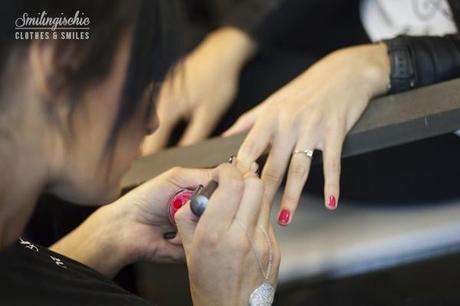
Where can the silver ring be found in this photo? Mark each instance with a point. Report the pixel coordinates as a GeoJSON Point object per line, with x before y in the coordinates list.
{"type": "Point", "coordinates": [307, 152]}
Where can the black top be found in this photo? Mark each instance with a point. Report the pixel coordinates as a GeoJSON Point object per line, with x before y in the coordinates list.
{"type": "Point", "coordinates": [247, 15]}
{"type": "Point", "coordinates": [33, 275]}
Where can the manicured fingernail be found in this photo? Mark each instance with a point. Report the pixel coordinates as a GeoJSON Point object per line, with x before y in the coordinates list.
{"type": "Point", "coordinates": [284, 216]}
{"type": "Point", "coordinates": [332, 202]}
{"type": "Point", "coordinates": [170, 235]}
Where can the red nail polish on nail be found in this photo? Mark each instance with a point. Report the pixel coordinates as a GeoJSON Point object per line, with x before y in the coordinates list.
{"type": "Point", "coordinates": [332, 202]}
{"type": "Point", "coordinates": [284, 217]}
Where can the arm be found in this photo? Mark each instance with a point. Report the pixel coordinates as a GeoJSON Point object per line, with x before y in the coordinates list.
{"type": "Point", "coordinates": [234, 46]}
{"type": "Point", "coordinates": [94, 243]}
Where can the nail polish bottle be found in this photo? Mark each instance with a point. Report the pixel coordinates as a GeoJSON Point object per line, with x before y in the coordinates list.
{"type": "Point", "coordinates": [178, 200]}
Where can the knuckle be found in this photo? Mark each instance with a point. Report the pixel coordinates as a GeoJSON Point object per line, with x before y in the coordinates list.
{"type": "Point", "coordinates": [299, 170]}
{"type": "Point", "coordinates": [333, 166]}
{"type": "Point", "coordinates": [254, 183]}
{"type": "Point", "coordinates": [313, 118]}
{"type": "Point", "coordinates": [249, 148]}
{"type": "Point", "coordinates": [235, 185]}
{"type": "Point", "coordinates": [223, 167]}
{"type": "Point", "coordinates": [290, 200]}
{"type": "Point", "coordinates": [272, 176]}
{"type": "Point", "coordinates": [332, 124]}
{"type": "Point", "coordinates": [239, 245]}
{"type": "Point", "coordinates": [286, 120]}
{"type": "Point", "coordinates": [224, 170]}
{"type": "Point", "coordinates": [175, 171]}
{"type": "Point", "coordinates": [210, 241]}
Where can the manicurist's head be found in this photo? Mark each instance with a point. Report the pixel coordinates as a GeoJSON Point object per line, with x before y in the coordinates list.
{"type": "Point", "coordinates": [73, 111]}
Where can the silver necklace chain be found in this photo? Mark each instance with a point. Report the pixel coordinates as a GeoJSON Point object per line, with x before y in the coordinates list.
{"type": "Point", "coordinates": [265, 293]}
{"type": "Point", "coordinates": [266, 274]}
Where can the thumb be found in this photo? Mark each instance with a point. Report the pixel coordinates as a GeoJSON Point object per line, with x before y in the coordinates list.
{"type": "Point", "coordinates": [186, 223]}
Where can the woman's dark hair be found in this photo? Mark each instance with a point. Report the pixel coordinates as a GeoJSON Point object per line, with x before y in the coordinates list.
{"type": "Point", "coordinates": [155, 28]}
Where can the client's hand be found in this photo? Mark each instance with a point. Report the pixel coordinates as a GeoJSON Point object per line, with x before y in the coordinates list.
{"type": "Point", "coordinates": [201, 88]}
{"type": "Point", "coordinates": [228, 250]}
{"type": "Point", "coordinates": [314, 111]}
{"type": "Point", "coordinates": [132, 228]}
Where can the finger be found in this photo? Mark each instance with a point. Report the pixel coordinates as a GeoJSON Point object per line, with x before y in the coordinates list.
{"type": "Point", "coordinates": [159, 139]}
{"type": "Point", "coordinates": [244, 123]}
{"type": "Point", "coordinates": [173, 180]}
{"type": "Point", "coordinates": [254, 145]}
{"type": "Point", "coordinates": [224, 202]}
{"type": "Point", "coordinates": [185, 177]}
{"type": "Point", "coordinates": [332, 154]}
{"type": "Point", "coordinates": [166, 252]}
{"type": "Point", "coordinates": [186, 223]}
{"type": "Point", "coordinates": [276, 164]}
{"type": "Point", "coordinates": [169, 113]}
{"type": "Point", "coordinates": [297, 177]}
{"type": "Point", "coordinates": [201, 125]}
{"type": "Point", "coordinates": [251, 201]}
{"type": "Point", "coordinates": [274, 171]}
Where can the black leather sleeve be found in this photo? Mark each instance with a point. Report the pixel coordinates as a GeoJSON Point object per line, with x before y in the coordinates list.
{"type": "Point", "coordinates": [434, 59]}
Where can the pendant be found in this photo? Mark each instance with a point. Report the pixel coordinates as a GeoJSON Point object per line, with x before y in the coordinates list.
{"type": "Point", "coordinates": [263, 295]}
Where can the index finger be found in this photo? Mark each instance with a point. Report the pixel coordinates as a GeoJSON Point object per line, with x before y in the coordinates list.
{"type": "Point", "coordinates": [254, 145]}
{"type": "Point", "coordinates": [224, 202]}
{"type": "Point", "coordinates": [173, 180]}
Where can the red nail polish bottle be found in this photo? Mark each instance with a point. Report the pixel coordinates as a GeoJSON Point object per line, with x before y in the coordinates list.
{"type": "Point", "coordinates": [179, 199]}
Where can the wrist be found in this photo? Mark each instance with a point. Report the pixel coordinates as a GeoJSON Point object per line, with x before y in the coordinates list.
{"type": "Point", "coordinates": [95, 243]}
{"type": "Point", "coordinates": [376, 69]}
{"type": "Point", "coordinates": [368, 66]}
{"type": "Point", "coordinates": [116, 233]}
{"type": "Point", "coordinates": [233, 46]}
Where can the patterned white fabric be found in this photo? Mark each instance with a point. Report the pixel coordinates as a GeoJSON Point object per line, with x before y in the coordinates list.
{"type": "Point", "coordinates": [384, 19]}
